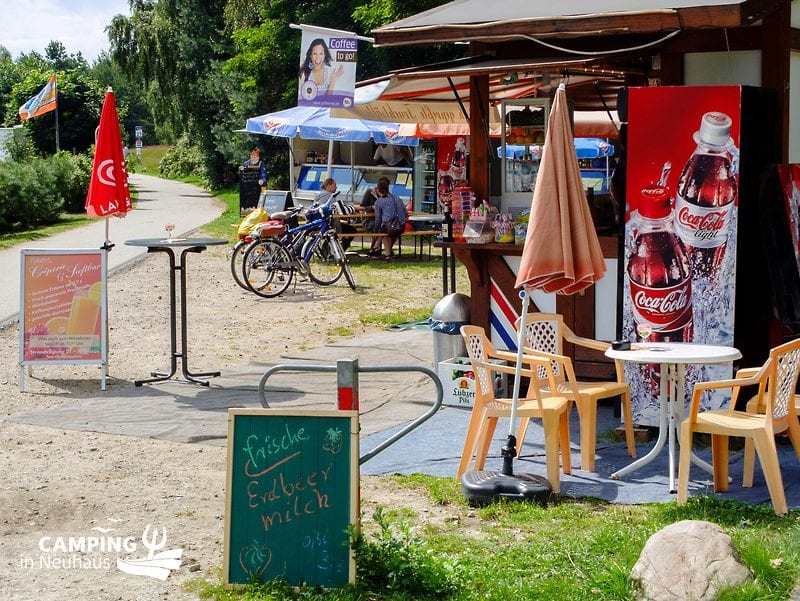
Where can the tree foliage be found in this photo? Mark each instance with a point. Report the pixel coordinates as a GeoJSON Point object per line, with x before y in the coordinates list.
{"type": "Point", "coordinates": [198, 69]}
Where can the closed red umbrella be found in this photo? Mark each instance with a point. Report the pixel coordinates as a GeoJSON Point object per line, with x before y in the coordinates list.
{"type": "Point", "coordinates": [562, 253]}
{"type": "Point", "coordinates": [108, 188]}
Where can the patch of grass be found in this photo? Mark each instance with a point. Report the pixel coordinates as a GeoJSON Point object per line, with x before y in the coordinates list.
{"type": "Point", "coordinates": [225, 225]}
{"type": "Point", "coordinates": [67, 222]}
{"type": "Point", "coordinates": [576, 550]}
{"type": "Point", "coordinates": [442, 491]}
{"type": "Point", "coordinates": [340, 331]}
{"type": "Point", "coordinates": [151, 157]}
{"type": "Point", "coordinates": [396, 317]}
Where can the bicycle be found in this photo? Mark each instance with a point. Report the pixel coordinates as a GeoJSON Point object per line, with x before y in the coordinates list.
{"type": "Point", "coordinates": [238, 250]}
{"type": "Point", "coordinates": [313, 249]}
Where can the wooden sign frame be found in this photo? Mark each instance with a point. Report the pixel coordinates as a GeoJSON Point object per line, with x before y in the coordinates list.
{"type": "Point", "coordinates": [292, 492]}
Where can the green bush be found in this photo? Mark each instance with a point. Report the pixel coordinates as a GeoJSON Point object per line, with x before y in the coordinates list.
{"type": "Point", "coordinates": [72, 173]}
{"type": "Point", "coordinates": [19, 146]}
{"type": "Point", "coordinates": [182, 160]}
{"type": "Point", "coordinates": [28, 196]}
{"type": "Point", "coordinates": [397, 560]}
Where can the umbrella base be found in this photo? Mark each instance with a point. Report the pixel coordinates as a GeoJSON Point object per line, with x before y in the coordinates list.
{"type": "Point", "coordinates": [484, 487]}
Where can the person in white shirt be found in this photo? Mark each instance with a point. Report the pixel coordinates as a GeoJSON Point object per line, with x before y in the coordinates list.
{"type": "Point", "coordinates": [329, 196]}
{"type": "Point", "coordinates": [393, 155]}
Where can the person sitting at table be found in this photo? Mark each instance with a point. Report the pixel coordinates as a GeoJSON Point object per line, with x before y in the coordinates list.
{"type": "Point", "coordinates": [368, 204]}
{"type": "Point", "coordinates": [387, 207]}
{"type": "Point", "coordinates": [393, 155]}
{"type": "Point", "coordinates": [329, 196]}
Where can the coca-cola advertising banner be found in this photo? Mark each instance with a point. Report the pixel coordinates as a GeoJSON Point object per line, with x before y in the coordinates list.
{"type": "Point", "coordinates": [680, 235]}
{"type": "Point", "coordinates": [790, 185]}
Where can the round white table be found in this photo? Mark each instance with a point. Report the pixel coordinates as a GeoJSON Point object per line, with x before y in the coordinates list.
{"type": "Point", "coordinates": [672, 358]}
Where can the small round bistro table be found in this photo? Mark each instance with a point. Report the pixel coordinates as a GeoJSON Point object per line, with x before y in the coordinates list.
{"type": "Point", "coordinates": [672, 358]}
{"type": "Point", "coordinates": [170, 246]}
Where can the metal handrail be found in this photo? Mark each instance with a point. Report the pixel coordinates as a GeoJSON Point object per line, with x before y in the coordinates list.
{"type": "Point", "coordinates": [370, 369]}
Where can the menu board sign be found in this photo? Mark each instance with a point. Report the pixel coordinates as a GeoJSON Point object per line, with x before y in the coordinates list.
{"type": "Point", "coordinates": [63, 306]}
{"type": "Point", "coordinates": [292, 496]}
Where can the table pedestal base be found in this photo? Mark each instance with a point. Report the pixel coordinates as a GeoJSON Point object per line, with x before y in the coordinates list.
{"type": "Point", "coordinates": [175, 354]}
{"type": "Point", "coordinates": [671, 395]}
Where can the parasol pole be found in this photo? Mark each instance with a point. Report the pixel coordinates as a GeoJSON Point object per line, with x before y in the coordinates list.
{"type": "Point", "coordinates": [352, 174]}
{"type": "Point", "coordinates": [330, 158]}
{"type": "Point", "coordinates": [509, 451]}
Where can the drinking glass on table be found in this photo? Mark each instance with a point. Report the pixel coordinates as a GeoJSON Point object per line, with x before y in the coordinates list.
{"type": "Point", "coordinates": [644, 330]}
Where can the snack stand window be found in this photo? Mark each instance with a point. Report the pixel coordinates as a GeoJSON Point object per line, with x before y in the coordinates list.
{"type": "Point", "coordinates": [523, 126]}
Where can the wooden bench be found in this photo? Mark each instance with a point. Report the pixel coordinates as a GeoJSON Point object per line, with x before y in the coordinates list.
{"type": "Point", "coordinates": [418, 235]}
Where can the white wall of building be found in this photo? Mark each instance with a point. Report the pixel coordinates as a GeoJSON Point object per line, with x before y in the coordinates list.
{"type": "Point", "coordinates": [742, 67]}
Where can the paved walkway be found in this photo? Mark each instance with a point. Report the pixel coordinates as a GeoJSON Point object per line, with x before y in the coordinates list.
{"type": "Point", "coordinates": [160, 201]}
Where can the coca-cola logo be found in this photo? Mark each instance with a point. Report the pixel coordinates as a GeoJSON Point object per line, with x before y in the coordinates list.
{"type": "Point", "coordinates": [665, 308]}
{"type": "Point", "coordinates": [713, 221]}
{"type": "Point", "coordinates": [670, 304]}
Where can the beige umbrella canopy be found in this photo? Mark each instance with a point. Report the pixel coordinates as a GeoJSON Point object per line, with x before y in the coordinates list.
{"type": "Point", "coordinates": [562, 253]}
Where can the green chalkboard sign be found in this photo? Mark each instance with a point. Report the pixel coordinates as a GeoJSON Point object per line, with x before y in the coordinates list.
{"type": "Point", "coordinates": [292, 494]}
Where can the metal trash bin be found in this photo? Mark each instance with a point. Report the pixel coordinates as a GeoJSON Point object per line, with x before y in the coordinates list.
{"type": "Point", "coordinates": [448, 316]}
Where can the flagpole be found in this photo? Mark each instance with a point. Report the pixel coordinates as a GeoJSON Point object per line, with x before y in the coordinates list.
{"type": "Point", "coordinates": [56, 86]}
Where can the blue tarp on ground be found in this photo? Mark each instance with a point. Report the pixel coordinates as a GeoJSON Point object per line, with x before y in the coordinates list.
{"type": "Point", "coordinates": [430, 449]}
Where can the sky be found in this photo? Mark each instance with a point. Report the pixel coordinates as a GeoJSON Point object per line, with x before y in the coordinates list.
{"type": "Point", "coordinates": [29, 25]}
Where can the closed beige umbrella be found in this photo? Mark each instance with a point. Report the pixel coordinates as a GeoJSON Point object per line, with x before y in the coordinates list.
{"type": "Point", "coordinates": [562, 253]}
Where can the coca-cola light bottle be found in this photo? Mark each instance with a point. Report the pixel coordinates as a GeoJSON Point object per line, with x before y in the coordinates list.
{"type": "Point", "coordinates": [659, 271]}
{"type": "Point", "coordinates": [706, 195]}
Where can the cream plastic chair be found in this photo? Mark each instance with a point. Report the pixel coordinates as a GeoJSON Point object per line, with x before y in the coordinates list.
{"type": "Point", "coordinates": [553, 410]}
{"type": "Point", "coordinates": [772, 410]}
{"type": "Point", "coordinates": [545, 334]}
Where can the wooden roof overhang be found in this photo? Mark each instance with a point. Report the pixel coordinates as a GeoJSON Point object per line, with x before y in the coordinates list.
{"type": "Point", "coordinates": [480, 21]}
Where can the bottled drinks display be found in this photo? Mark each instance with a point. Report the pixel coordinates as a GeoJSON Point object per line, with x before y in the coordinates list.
{"type": "Point", "coordinates": [659, 271]}
{"type": "Point", "coordinates": [706, 194]}
{"type": "Point", "coordinates": [683, 273]}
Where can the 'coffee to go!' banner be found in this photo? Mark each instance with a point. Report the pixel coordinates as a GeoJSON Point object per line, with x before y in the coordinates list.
{"type": "Point", "coordinates": [62, 318]}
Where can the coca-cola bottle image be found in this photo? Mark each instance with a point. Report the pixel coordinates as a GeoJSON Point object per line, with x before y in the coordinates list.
{"type": "Point", "coordinates": [659, 271]}
{"type": "Point", "coordinates": [706, 195]}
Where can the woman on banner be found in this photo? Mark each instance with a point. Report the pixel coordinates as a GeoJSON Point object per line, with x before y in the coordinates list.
{"type": "Point", "coordinates": [317, 69]}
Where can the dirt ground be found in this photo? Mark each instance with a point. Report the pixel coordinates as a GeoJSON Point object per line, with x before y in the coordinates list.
{"type": "Point", "coordinates": [58, 484]}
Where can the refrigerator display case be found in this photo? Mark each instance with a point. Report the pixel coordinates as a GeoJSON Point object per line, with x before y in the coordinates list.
{"type": "Point", "coordinates": [353, 181]}
{"type": "Point", "coordinates": [425, 177]}
{"type": "Point", "coordinates": [522, 136]}
{"type": "Point", "coordinates": [693, 249]}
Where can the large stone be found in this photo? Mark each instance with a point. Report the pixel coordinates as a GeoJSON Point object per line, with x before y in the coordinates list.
{"type": "Point", "coordinates": [690, 560]}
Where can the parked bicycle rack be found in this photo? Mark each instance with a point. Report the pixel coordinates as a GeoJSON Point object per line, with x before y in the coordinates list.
{"type": "Point", "coordinates": [347, 371]}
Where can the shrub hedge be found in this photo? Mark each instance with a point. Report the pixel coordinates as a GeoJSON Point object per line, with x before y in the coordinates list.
{"type": "Point", "coordinates": [182, 160]}
{"type": "Point", "coordinates": [35, 191]}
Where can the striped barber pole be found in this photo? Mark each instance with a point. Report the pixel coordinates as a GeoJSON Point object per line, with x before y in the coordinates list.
{"type": "Point", "coordinates": [502, 316]}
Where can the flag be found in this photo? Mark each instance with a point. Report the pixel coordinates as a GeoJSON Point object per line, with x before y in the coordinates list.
{"type": "Point", "coordinates": [44, 102]}
{"type": "Point", "coordinates": [108, 187]}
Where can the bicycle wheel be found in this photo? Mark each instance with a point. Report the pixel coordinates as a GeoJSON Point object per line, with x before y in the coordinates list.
{"type": "Point", "coordinates": [236, 263]}
{"type": "Point", "coordinates": [268, 269]}
{"type": "Point", "coordinates": [323, 267]}
{"type": "Point", "coordinates": [341, 258]}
